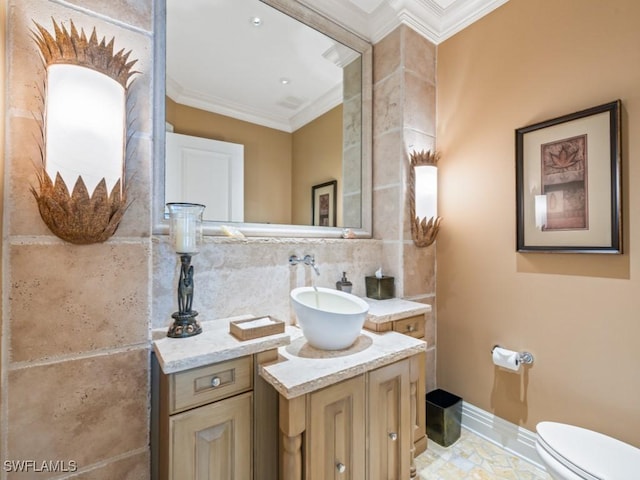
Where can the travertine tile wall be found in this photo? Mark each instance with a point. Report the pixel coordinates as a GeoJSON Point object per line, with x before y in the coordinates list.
{"type": "Point", "coordinates": [352, 153]}
{"type": "Point", "coordinates": [75, 330]}
{"type": "Point", "coordinates": [404, 65]}
{"type": "Point", "coordinates": [235, 277]}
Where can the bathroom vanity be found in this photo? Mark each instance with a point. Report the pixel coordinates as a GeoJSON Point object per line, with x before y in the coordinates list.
{"type": "Point", "coordinates": [213, 417]}
{"type": "Point", "coordinates": [349, 412]}
{"type": "Point", "coordinates": [275, 407]}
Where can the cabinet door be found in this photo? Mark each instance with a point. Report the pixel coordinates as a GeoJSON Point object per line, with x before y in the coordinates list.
{"type": "Point", "coordinates": [213, 442]}
{"type": "Point", "coordinates": [336, 432]}
{"type": "Point", "coordinates": [390, 433]}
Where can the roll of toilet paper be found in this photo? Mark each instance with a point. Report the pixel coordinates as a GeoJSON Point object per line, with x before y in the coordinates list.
{"type": "Point", "coordinates": [506, 358]}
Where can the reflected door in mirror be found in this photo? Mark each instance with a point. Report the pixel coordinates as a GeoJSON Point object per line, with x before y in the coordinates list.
{"type": "Point", "coordinates": [208, 172]}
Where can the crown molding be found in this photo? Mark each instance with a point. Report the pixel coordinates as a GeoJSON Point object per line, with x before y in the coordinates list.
{"type": "Point", "coordinates": [427, 17]}
{"type": "Point", "coordinates": [222, 106]}
{"type": "Point", "coordinates": [461, 14]}
{"type": "Point", "coordinates": [344, 13]}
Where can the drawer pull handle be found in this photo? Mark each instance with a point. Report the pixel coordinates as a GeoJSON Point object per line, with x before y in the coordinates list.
{"type": "Point", "coordinates": [341, 467]}
{"type": "Point", "coordinates": [215, 382]}
{"type": "Point", "coordinates": [410, 328]}
{"type": "Point", "coordinates": [393, 436]}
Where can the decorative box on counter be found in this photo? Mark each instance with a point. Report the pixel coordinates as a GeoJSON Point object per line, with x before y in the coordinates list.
{"type": "Point", "coordinates": [255, 327]}
{"type": "Point", "coordinates": [380, 288]}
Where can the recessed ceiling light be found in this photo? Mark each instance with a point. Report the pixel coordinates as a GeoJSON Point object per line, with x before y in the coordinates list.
{"type": "Point", "coordinates": [255, 21]}
{"type": "Point", "coordinates": [285, 81]}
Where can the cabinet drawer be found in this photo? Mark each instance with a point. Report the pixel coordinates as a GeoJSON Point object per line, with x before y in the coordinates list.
{"type": "Point", "coordinates": [412, 326]}
{"type": "Point", "coordinates": [200, 386]}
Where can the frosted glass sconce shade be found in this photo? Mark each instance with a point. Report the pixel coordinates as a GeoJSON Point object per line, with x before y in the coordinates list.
{"type": "Point", "coordinates": [423, 197]}
{"type": "Point", "coordinates": [426, 191]}
{"type": "Point", "coordinates": [84, 133]}
{"type": "Point", "coordinates": [74, 95]}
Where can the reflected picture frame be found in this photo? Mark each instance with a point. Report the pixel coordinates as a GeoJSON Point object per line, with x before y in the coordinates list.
{"type": "Point", "coordinates": [324, 204]}
{"type": "Point", "coordinates": [568, 183]}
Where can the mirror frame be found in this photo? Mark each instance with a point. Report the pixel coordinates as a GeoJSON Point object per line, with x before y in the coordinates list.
{"type": "Point", "coordinates": [319, 22]}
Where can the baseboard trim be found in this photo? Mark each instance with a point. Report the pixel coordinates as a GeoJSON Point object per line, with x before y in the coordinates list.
{"type": "Point", "coordinates": [513, 438]}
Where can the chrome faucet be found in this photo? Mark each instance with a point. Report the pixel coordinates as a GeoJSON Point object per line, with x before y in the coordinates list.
{"type": "Point", "coordinates": [307, 260]}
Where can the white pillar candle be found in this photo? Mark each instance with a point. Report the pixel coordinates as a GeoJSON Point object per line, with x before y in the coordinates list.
{"type": "Point", "coordinates": [185, 234]}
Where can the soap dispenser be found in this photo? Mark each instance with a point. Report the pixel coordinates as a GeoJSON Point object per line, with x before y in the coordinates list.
{"type": "Point", "coordinates": [344, 284]}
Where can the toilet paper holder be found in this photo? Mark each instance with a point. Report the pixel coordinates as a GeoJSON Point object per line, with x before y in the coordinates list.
{"type": "Point", "coordinates": [524, 358]}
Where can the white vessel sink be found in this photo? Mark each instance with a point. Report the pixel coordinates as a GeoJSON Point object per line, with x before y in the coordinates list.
{"type": "Point", "coordinates": [329, 319]}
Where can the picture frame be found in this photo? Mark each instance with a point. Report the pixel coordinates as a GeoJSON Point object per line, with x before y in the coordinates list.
{"type": "Point", "coordinates": [324, 204]}
{"type": "Point", "coordinates": [568, 183]}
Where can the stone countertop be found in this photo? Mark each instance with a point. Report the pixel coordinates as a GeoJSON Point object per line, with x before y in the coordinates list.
{"type": "Point", "coordinates": [383, 311]}
{"type": "Point", "coordinates": [303, 369]}
{"type": "Point", "coordinates": [214, 344]}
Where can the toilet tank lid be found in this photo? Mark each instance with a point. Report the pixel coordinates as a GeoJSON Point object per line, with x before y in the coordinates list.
{"type": "Point", "coordinates": [598, 454]}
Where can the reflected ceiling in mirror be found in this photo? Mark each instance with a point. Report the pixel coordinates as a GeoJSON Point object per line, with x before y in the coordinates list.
{"type": "Point", "coordinates": [297, 100]}
{"type": "Point", "coordinates": [253, 63]}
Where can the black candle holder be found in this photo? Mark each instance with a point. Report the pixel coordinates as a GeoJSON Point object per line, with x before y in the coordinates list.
{"type": "Point", "coordinates": [184, 320]}
{"type": "Point", "coordinates": [186, 234]}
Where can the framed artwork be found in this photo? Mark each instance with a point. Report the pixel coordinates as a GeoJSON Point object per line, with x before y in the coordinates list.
{"type": "Point", "coordinates": [323, 204]}
{"type": "Point", "coordinates": [568, 195]}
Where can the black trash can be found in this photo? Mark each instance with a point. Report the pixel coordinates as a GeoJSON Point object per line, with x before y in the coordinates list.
{"type": "Point", "coordinates": [444, 415]}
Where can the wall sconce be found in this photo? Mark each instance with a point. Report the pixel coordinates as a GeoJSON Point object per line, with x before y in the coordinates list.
{"type": "Point", "coordinates": [185, 233]}
{"type": "Point", "coordinates": [83, 126]}
{"type": "Point", "coordinates": [423, 197]}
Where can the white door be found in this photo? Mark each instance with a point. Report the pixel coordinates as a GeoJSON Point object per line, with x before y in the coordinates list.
{"type": "Point", "coordinates": [210, 172]}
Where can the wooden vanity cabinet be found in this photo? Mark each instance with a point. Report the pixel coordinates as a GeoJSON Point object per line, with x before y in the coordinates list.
{"type": "Point", "coordinates": [413, 326]}
{"type": "Point", "coordinates": [357, 429]}
{"type": "Point", "coordinates": [336, 431]}
{"type": "Point", "coordinates": [212, 441]}
{"type": "Point", "coordinates": [390, 434]}
{"type": "Point", "coordinates": [208, 420]}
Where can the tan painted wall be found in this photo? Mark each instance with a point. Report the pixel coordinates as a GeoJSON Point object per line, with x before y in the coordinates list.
{"type": "Point", "coordinates": [317, 158]}
{"type": "Point", "coordinates": [267, 155]}
{"type": "Point", "coordinates": [578, 314]}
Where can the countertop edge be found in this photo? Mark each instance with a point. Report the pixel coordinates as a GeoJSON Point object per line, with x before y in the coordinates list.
{"type": "Point", "coordinates": [336, 377]}
{"type": "Point", "coordinates": [215, 344]}
{"type": "Point", "coordinates": [384, 311]}
{"type": "Point", "coordinates": [196, 361]}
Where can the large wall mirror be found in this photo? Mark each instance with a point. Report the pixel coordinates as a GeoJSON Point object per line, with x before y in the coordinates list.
{"type": "Point", "coordinates": [264, 115]}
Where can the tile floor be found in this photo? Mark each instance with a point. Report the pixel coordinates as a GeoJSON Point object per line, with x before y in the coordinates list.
{"type": "Point", "coordinates": [474, 458]}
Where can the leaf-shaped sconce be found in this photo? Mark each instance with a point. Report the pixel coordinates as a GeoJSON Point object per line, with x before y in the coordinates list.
{"type": "Point", "coordinates": [84, 131]}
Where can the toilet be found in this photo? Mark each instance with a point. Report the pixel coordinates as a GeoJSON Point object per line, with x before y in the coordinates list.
{"type": "Point", "coordinates": [574, 453]}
